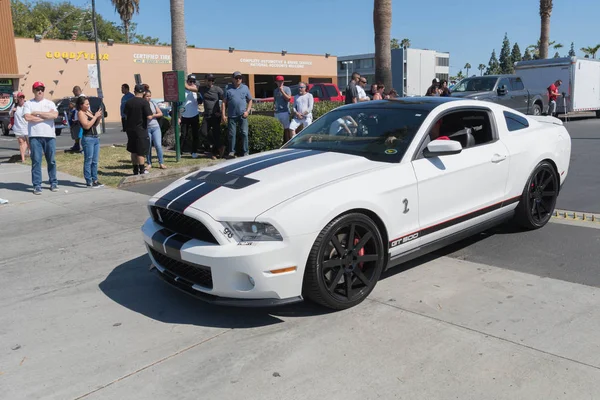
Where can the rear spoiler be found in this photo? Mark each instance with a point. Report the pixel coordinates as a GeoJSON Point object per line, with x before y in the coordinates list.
{"type": "Point", "coordinates": [546, 119]}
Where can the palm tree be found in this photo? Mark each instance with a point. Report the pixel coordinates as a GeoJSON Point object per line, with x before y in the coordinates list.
{"type": "Point", "coordinates": [460, 75]}
{"type": "Point", "coordinates": [126, 9]}
{"type": "Point", "coordinates": [545, 13]}
{"type": "Point", "coordinates": [382, 24]}
{"type": "Point", "coordinates": [467, 67]}
{"type": "Point", "coordinates": [591, 50]}
{"type": "Point", "coordinates": [481, 68]}
{"type": "Point", "coordinates": [405, 43]}
{"type": "Point", "coordinates": [178, 40]}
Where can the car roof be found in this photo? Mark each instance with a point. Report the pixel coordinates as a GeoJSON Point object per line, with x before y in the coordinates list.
{"type": "Point", "coordinates": [424, 103]}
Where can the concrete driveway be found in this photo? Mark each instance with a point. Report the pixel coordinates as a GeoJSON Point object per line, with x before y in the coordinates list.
{"type": "Point", "coordinates": [83, 318]}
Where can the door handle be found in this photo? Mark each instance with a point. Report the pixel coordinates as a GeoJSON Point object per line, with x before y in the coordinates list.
{"type": "Point", "coordinates": [498, 158]}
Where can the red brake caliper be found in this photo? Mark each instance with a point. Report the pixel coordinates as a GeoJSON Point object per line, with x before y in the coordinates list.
{"type": "Point", "coordinates": [361, 252]}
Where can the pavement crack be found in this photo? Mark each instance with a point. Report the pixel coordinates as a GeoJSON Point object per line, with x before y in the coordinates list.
{"type": "Point", "coordinates": [486, 334]}
{"type": "Point", "coordinates": [153, 364]}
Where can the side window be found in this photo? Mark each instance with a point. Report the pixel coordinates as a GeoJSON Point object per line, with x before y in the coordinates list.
{"type": "Point", "coordinates": [504, 82]}
{"type": "Point", "coordinates": [515, 122]}
{"type": "Point", "coordinates": [516, 84]}
{"type": "Point", "coordinates": [331, 92]}
{"type": "Point", "coordinates": [316, 91]}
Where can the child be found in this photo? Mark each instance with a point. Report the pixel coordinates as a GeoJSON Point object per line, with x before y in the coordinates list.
{"type": "Point", "coordinates": [75, 127]}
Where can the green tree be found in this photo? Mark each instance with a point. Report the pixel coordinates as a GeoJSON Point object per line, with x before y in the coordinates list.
{"type": "Point", "coordinates": [126, 9]}
{"type": "Point", "coordinates": [467, 67]}
{"type": "Point", "coordinates": [394, 44]}
{"type": "Point", "coordinates": [506, 63]}
{"type": "Point", "coordinates": [481, 68]}
{"type": "Point", "coordinates": [572, 50]}
{"type": "Point", "coordinates": [516, 53]}
{"type": "Point", "coordinates": [460, 75]}
{"type": "Point", "coordinates": [527, 56]}
{"type": "Point", "coordinates": [493, 65]}
{"type": "Point", "coordinates": [591, 51]}
{"type": "Point", "coordinates": [545, 13]}
{"type": "Point", "coordinates": [405, 43]}
{"type": "Point", "coordinates": [382, 25]}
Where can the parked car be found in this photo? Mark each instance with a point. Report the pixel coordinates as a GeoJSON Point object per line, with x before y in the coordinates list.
{"type": "Point", "coordinates": [364, 188]}
{"type": "Point", "coordinates": [507, 90]}
{"type": "Point", "coordinates": [580, 77]}
{"type": "Point", "coordinates": [62, 105]}
{"type": "Point", "coordinates": [320, 92]}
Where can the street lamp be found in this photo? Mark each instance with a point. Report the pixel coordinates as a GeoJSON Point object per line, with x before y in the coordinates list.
{"type": "Point", "coordinates": [346, 64]}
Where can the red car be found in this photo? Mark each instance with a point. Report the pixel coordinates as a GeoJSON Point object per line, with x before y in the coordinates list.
{"type": "Point", "coordinates": [320, 92]}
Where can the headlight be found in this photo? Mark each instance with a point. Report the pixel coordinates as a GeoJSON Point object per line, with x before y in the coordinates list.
{"type": "Point", "coordinates": [253, 231]}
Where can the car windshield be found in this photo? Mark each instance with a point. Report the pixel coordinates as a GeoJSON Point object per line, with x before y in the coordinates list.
{"type": "Point", "coordinates": [377, 133]}
{"type": "Point", "coordinates": [478, 84]}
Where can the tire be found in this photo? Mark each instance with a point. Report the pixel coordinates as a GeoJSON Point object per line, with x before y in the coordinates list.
{"type": "Point", "coordinates": [58, 131]}
{"type": "Point", "coordinates": [537, 109]}
{"type": "Point", "coordinates": [343, 282]}
{"type": "Point", "coordinates": [539, 197]}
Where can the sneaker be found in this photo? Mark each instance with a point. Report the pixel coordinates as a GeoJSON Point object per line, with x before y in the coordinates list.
{"type": "Point", "coordinates": [246, 154]}
{"type": "Point", "coordinates": [54, 188]}
{"type": "Point", "coordinates": [194, 155]}
{"type": "Point", "coordinates": [88, 185]}
{"type": "Point", "coordinates": [231, 155]}
{"type": "Point", "coordinates": [97, 185]}
{"type": "Point", "coordinates": [37, 190]}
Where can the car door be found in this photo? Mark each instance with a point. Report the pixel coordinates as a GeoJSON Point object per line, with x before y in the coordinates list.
{"type": "Point", "coordinates": [520, 96]}
{"type": "Point", "coordinates": [504, 99]}
{"type": "Point", "coordinates": [317, 92]}
{"type": "Point", "coordinates": [460, 190]}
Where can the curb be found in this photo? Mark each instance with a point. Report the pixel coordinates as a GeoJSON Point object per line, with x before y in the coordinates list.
{"type": "Point", "coordinates": [162, 174]}
{"type": "Point", "coordinates": [576, 216]}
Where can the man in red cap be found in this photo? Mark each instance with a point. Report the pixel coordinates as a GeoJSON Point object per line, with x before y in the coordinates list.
{"type": "Point", "coordinates": [40, 114]}
{"type": "Point", "coordinates": [282, 96]}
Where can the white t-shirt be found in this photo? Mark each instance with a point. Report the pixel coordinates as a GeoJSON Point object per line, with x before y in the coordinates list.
{"type": "Point", "coordinates": [20, 125]}
{"type": "Point", "coordinates": [44, 128]}
{"type": "Point", "coordinates": [191, 105]}
{"type": "Point", "coordinates": [361, 92]}
{"type": "Point", "coordinates": [304, 103]}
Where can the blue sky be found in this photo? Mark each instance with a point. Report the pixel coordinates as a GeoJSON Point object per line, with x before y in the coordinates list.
{"type": "Point", "coordinates": [469, 30]}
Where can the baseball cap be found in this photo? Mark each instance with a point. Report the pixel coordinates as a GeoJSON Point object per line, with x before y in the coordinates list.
{"type": "Point", "coordinates": [237, 73]}
{"type": "Point", "coordinates": [210, 77]}
{"type": "Point", "coordinates": [435, 80]}
{"type": "Point", "coordinates": [139, 88]}
{"type": "Point", "coordinates": [191, 77]}
{"type": "Point", "coordinates": [38, 84]}
{"type": "Point", "coordinates": [279, 78]}
{"type": "Point", "coordinates": [20, 94]}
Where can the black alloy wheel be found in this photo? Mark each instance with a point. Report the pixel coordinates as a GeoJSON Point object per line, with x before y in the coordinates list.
{"type": "Point", "coordinates": [539, 197]}
{"type": "Point", "coordinates": [345, 262]}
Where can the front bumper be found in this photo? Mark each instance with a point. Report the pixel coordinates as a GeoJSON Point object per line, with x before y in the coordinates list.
{"type": "Point", "coordinates": [229, 274]}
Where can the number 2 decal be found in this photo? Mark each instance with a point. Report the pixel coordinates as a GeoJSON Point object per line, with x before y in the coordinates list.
{"type": "Point", "coordinates": [406, 209]}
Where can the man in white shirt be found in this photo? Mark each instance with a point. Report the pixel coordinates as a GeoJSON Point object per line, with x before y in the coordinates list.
{"type": "Point", "coordinates": [191, 116]}
{"type": "Point", "coordinates": [362, 95]}
{"type": "Point", "coordinates": [40, 114]}
{"type": "Point", "coordinates": [303, 108]}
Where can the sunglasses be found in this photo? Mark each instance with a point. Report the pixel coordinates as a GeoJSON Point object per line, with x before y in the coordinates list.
{"type": "Point", "coordinates": [237, 77]}
{"type": "Point", "coordinates": [363, 81]}
{"type": "Point", "coordinates": [40, 89]}
{"type": "Point", "coordinates": [302, 87]}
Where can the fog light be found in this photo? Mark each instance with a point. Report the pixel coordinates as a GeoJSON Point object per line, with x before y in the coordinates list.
{"type": "Point", "coordinates": [251, 280]}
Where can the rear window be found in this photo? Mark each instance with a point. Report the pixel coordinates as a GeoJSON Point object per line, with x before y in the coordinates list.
{"type": "Point", "coordinates": [515, 122]}
{"type": "Point", "coordinates": [331, 92]}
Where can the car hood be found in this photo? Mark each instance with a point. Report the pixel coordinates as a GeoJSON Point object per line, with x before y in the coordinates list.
{"type": "Point", "coordinates": [246, 187]}
{"type": "Point", "coordinates": [471, 95]}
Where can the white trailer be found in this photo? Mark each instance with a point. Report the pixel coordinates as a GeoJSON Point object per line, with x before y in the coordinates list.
{"type": "Point", "coordinates": [580, 77]}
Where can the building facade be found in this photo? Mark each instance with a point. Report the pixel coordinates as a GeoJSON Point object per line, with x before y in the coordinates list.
{"type": "Point", "coordinates": [412, 69]}
{"type": "Point", "coordinates": [63, 64]}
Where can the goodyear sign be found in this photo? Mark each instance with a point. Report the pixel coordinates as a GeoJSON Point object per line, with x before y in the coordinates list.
{"type": "Point", "coordinates": [71, 55]}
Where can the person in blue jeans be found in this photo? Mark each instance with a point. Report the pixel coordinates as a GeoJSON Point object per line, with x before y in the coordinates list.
{"type": "Point", "coordinates": [40, 114]}
{"type": "Point", "coordinates": [154, 132]}
{"type": "Point", "coordinates": [237, 102]}
{"type": "Point", "coordinates": [89, 141]}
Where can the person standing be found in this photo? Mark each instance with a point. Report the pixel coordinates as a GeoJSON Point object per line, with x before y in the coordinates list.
{"type": "Point", "coordinates": [19, 125]}
{"type": "Point", "coordinates": [303, 108]}
{"type": "Point", "coordinates": [553, 96]}
{"type": "Point", "coordinates": [362, 94]}
{"type": "Point", "coordinates": [444, 90]}
{"type": "Point", "coordinates": [378, 92]}
{"type": "Point", "coordinates": [138, 113]}
{"type": "Point", "coordinates": [282, 96]}
{"type": "Point", "coordinates": [126, 96]}
{"type": "Point", "coordinates": [154, 132]}
{"type": "Point", "coordinates": [236, 108]}
{"type": "Point", "coordinates": [351, 91]}
{"type": "Point", "coordinates": [434, 89]}
{"type": "Point", "coordinates": [190, 118]}
{"type": "Point", "coordinates": [211, 121]}
{"type": "Point", "coordinates": [89, 141]}
{"type": "Point", "coordinates": [40, 114]}
{"type": "Point", "coordinates": [76, 146]}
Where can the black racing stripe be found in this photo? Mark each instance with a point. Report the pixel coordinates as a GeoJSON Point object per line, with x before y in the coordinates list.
{"type": "Point", "coordinates": [451, 222]}
{"type": "Point", "coordinates": [178, 191]}
{"type": "Point", "coordinates": [174, 245]}
{"type": "Point", "coordinates": [188, 199]}
{"type": "Point", "coordinates": [250, 169]}
{"type": "Point", "coordinates": [159, 238]}
{"type": "Point", "coordinates": [245, 162]}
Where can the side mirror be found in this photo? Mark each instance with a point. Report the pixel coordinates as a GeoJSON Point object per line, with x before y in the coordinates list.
{"type": "Point", "coordinates": [437, 148]}
{"type": "Point", "coordinates": [502, 90]}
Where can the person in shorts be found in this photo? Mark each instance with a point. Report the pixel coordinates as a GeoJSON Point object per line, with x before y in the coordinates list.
{"type": "Point", "coordinates": [303, 108]}
{"type": "Point", "coordinates": [19, 125]}
{"type": "Point", "coordinates": [138, 114]}
{"type": "Point", "coordinates": [281, 98]}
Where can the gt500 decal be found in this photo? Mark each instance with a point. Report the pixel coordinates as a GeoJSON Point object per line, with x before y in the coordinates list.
{"type": "Point", "coordinates": [404, 239]}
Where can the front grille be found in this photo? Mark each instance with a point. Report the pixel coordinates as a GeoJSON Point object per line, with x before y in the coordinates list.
{"type": "Point", "coordinates": [181, 223]}
{"type": "Point", "coordinates": [197, 274]}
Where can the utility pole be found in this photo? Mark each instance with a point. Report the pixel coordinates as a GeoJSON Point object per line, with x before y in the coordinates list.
{"type": "Point", "coordinates": [100, 93]}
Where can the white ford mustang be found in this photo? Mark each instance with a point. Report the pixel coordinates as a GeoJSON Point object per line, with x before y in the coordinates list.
{"type": "Point", "coordinates": [364, 188]}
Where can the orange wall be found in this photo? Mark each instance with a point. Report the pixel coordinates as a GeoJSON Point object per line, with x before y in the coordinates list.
{"type": "Point", "coordinates": [44, 61]}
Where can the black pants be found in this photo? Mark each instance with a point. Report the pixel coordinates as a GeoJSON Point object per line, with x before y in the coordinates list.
{"type": "Point", "coordinates": [212, 126]}
{"type": "Point", "coordinates": [124, 123]}
{"type": "Point", "coordinates": [193, 124]}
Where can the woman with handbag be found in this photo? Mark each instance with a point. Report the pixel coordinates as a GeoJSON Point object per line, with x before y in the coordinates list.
{"type": "Point", "coordinates": [89, 141]}
{"type": "Point", "coordinates": [154, 132]}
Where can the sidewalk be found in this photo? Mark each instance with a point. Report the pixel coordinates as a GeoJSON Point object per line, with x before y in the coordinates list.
{"type": "Point", "coordinates": [83, 318]}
